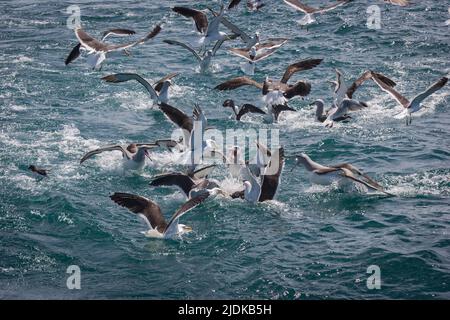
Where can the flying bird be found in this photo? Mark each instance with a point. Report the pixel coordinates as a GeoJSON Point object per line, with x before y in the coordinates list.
{"type": "Point", "coordinates": [311, 11]}
{"type": "Point", "coordinates": [239, 112]}
{"type": "Point", "coordinates": [416, 103]}
{"type": "Point", "coordinates": [152, 215]}
{"type": "Point", "coordinates": [159, 92]}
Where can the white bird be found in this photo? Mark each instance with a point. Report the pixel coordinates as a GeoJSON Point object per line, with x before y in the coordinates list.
{"type": "Point", "coordinates": [133, 155]}
{"type": "Point", "coordinates": [416, 103]}
{"type": "Point", "coordinates": [252, 56]}
{"type": "Point", "coordinates": [76, 51]}
{"type": "Point", "coordinates": [97, 50]}
{"type": "Point", "coordinates": [152, 215]}
{"type": "Point", "coordinates": [340, 174]}
{"type": "Point", "coordinates": [252, 5]}
{"type": "Point", "coordinates": [159, 92]}
{"type": "Point", "coordinates": [310, 11]}
{"type": "Point", "coordinates": [209, 29]}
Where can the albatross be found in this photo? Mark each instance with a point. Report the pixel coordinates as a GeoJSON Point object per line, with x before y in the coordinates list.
{"type": "Point", "coordinates": [159, 92]}
{"type": "Point", "coordinates": [277, 92]}
{"type": "Point", "coordinates": [310, 11]}
{"type": "Point", "coordinates": [209, 29]}
{"type": "Point", "coordinates": [239, 112]}
{"type": "Point", "coordinates": [252, 5]}
{"type": "Point", "coordinates": [341, 173]}
{"type": "Point", "coordinates": [152, 215]}
{"type": "Point", "coordinates": [76, 51]}
{"type": "Point", "coordinates": [38, 171]}
{"type": "Point", "coordinates": [416, 103]}
{"type": "Point", "coordinates": [97, 50]}
{"type": "Point", "coordinates": [252, 56]}
{"type": "Point", "coordinates": [133, 155]}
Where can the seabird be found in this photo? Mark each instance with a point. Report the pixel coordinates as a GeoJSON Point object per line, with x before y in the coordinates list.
{"type": "Point", "coordinates": [416, 103]}
{"type": "Point", "coordinates": [97, 50]}
{"type": "Point", "coordinates": [343, 98]}
{"type": "Point", "coordinates": [133, 155]}
{"type": "Point", "coordinates": [180, 119]}
{"type": "Point", "coordinates": [209, 29]}
{"type": "Point", "coordinates": [38, 171]}
{"type": "Point", "coordinates": [341, 173]}
{"type": "Point", "coordinates": [152, 215]}
{"type": "Point", "coordinates": [310, 11]}
{"type": "Point", "coordinates": [76, 51]}
{"type": "Point", "coordinates": [189, 186]}
{"type": "Point", "coordinates": [252, 56]}
{"type": "Point", "coordinates": [159, 92]}
{"type": "Point", "coordinates": [242, 110]}
{"type": "Point", "coordinates": [401, 3]}
{"type": "Point", "coordinates": [277, 92]}
{"type": "Point", "coordinates": [204, 61]}
{"type": "Point", "coordinates": [255, 191]}
{"type": "Point", "coordinates": [252, 5]}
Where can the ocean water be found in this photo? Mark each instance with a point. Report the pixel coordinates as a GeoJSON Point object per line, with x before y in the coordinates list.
{"type": "Point", "coordinates": [310, 243]}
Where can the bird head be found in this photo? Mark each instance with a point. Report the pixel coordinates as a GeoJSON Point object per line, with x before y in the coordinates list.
{"type": "Point", "coordinates": [132, 148]}
{"type": "Point", "coordinates": [228, 103]}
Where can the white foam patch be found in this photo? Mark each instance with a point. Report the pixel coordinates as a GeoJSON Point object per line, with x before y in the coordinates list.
{"type": "Point", "coordinates": [422, 183]}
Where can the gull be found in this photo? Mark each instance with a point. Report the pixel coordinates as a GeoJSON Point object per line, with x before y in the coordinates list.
{"type": "Point", "coordinates": [159, 92]}
{"type": "Point", "coordinates": [416, 103]}
{"type": "Point", "coordinates": [239, 112]}
{"type": "Point", "coordinates": [340, 174]}
{"type": "Point", "coordinates": [152, 215]}
{"type": "Point", "coordinates": [133, 155]}
{"type": "Point", "coordinates": [310, 11]}
{"type": "Point", "coordinates": [252, 5]}
{"type": "Point", "coordinates": [204, 61]}
{"type": "Point", "coordinates": [276, 92]}
{"type": "Point", "coordinates": [76, 51]}
{"type": "Point", "coordinates": [97, 50]}
{"type": "Point", "coordinates": [38, 171]}
{"type": "Point", "coordinates": [209, 29]}
{"type": "Point", "coordinates": [255, 191]}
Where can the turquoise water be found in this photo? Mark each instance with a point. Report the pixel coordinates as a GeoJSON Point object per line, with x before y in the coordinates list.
{"type": "Point", "coordinates": [311, 243]}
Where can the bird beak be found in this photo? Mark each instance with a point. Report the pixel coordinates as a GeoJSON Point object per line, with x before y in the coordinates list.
{"type": "Point", "coordinates": [187, 228]}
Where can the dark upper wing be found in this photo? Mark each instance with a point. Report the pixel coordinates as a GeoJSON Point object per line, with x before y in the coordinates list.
{"type": "Point", "coordinates": [386, 88]}
{"type": "Point", "coordinates": [158, 84]}
{"type": "Point", "coordinates": [299, 66]}
{"type": "Point", "coordinates": [202, 172]}
{"type": "Point", "coordinates": [270, 182]}
{"type": "Point", "coordinates": [300, 6]}
{"type": "Point", "coordinates": [363, 78]}
{"type": "Point", "coordinates": [100, 150]}
{"type": "Point", "coordinates": [200, 18]}
{"type": "Point", "coordinates": [299, 89]}
{"type": "Point", "coordinates": [187, 206]}
{"type": "Point", "coordinates": [184, 182]}
{"type": "Point", "coordinates": [238, 82]}
{"type": "Point", "coordinates": [74, 54]}
{"type": "Point", "coordinates": [89, 42]}
{"type": "Point", "coordinates": [140, 205]}
{"type": "Point", "coordinates": [401, 3]}
{"type": "Point", "coordinates": [117, 32]}
{"type": "Point", "coordinates": [177, 116]}
{"type": "Point", "coordinates": [248, 108]}
{"type": "Point", "coordinates": [233, 3]}
{"type": "Point", "coordinates": [435, 87]}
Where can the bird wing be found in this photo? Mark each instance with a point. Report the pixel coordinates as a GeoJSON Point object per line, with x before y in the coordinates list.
{"type": "Point", "coordinates": [351, 105]}
{"type": "Point", "coordinates": [243, 53]}
{"type": "Point", "coordinates": [117, 32]}
{"type": "Point", "coordinates": [177, 116]}
{"type": "Point", "coordinates": [349, 174]}
{"type": "Point", "coordinates": [271, 43]}
{"type": "Point", "coordinates": [123, 77]}
{"type": "Point", "coordinates": [184, 45]}
{"type": "Point", "coordinates": [200, 18]}
{"type": "Point", "coordinates": [358, 172]}
{"type": "Point", "coordinates": [264, 54]}
{"type": "Point", "coordinates": [435, 87]}
{"type": "Point", "coordinates": [108, 148]}
{"type": "Point", "coordinates": [214, 24]}
{"type": "Point", "coordinates": [301, 88]}
{"type": "Point", "coordinates": [299, 66]}
{"type": "Point", "coordinates": [270, 182]}
{"type": "Point", "coordinates": [185, 208]}
{"type": "Point", "coordinates": [363, 78]}
{"type": "Point", "coordinates": [233, 3]}
{"type": "Point", "coordinates": [74, 54]}
{"type": "Point", "coordinates": [386, 88]}
{"type": "Point", "coordinates": [158, 84]}
{"type": "Point", "coordinates": [300, 6]}
{"type": "Point", "coordinates": [184, 182]}
{"type": "Point", "coordinates": [235, 29]}
{"type": "Point", "coordinates": [146, 208]}
{"type": "Point", "coordinates": [238, 82]}
{"type": "Point", "coordinates": [278, 108]}
{"type": "Point", "coordinates": [153, 33]}
{"type": "Point", "coordinates": [248, 108]}
{"type": "Point", "coordinates": [203, 172]}
{"type": "Point", "coordinates": [333, 6]}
